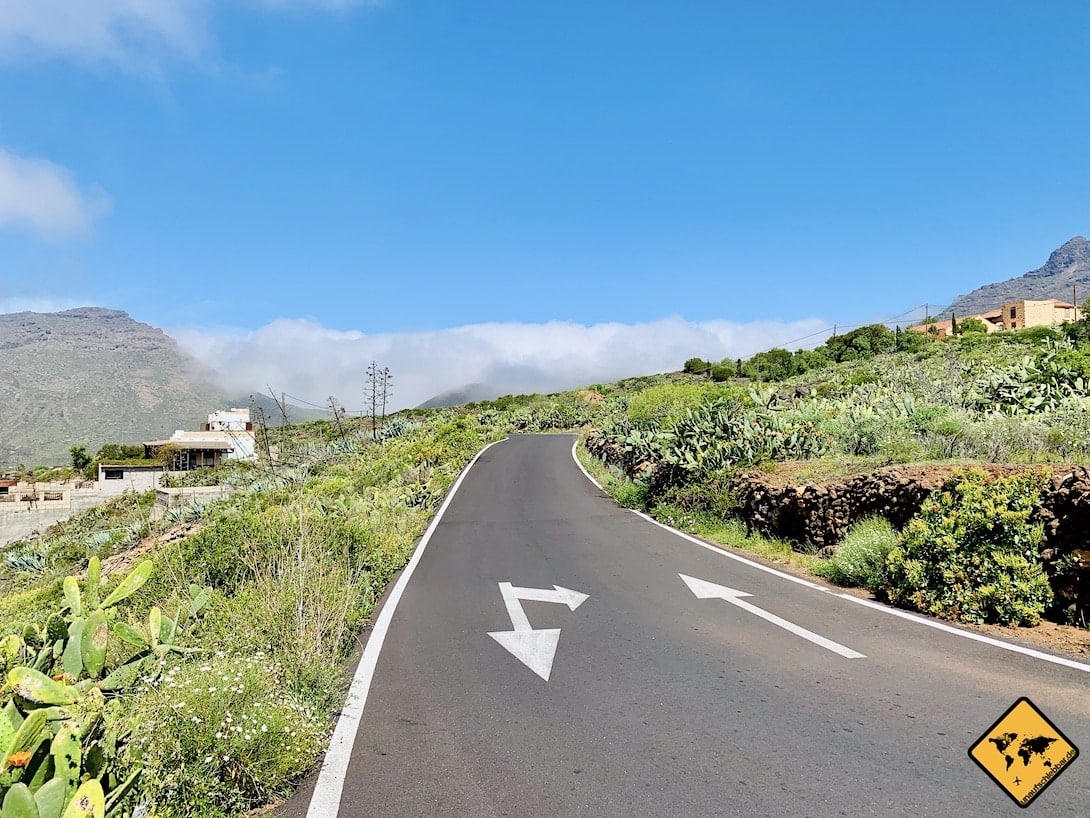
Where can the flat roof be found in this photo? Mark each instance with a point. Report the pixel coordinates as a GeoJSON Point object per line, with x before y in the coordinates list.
{"type": "Point", "coordinates": [206, 445]}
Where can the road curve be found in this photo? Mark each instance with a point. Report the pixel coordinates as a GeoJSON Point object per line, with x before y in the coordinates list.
{"type": "Point", "coordinates": [658, 702]}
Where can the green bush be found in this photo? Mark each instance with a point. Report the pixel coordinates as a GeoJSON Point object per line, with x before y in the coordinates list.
{"type": "Point", "coordinates": [666, 404]}
{"type": "Point", "coordinates": [971, 326]}
{"type": "Point", "coordinates": [912, 341]}
{"type": "Point", "coordinates": [774, 365]}
{"type": "Point", "coordinates": [715, 495]}
{"type": "Point", "coordinates": [696, 366]}
{"type": "Point", "coordinates": [862, 343]}
{"type": "Point", "coordinates": [631, 493]}
{"type": "Point", "coordinates": [724, 371]}
{"type": "Point", "coordinates": [971, 555]}
{"type": "Point", "coordinates": [861, 557]}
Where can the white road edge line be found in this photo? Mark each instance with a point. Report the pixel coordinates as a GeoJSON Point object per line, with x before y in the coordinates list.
{"type": "Point", "coordinates": [325, 802]}
{"type": "Point", "coordinates": [582, 468]}
{"type": "Point", "coordinates": [867, 603]}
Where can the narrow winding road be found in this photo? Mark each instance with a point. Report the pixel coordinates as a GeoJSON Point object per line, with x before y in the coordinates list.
{"type": "Point", "coordinates": [555, 655]}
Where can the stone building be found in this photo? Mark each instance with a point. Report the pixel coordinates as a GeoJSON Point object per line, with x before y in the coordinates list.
{"type": "Point", "coordinates": [1013, 315]}
{"type": "Point", "coordinates": [1049, 313]}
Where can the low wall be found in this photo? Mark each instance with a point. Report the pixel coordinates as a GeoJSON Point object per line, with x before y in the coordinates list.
{"type": "Point", "coordinates": [169, 498]}
{"type": "Point", "coordinates": [19, 520]}
{"type": "Point", "coordinates": [818, 515]}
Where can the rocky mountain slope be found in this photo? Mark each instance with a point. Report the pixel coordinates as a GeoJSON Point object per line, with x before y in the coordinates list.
{"type": "Point", "coordinates": [1067, 266]}
{"type": "Point", "coordinates": [90, 376]}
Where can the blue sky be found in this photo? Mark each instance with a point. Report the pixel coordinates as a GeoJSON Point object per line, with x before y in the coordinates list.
{"type": "Point", "coordinates": [577, 187]}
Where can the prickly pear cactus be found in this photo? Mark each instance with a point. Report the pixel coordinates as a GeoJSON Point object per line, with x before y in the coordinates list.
{"type": "Point", "coordinates": [57, 679]}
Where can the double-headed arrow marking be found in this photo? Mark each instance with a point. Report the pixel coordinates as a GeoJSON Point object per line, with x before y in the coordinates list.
{"type": "Point", "coordinates": [709, 590]}
{"type": "Point", "coordinates": [535, 649]}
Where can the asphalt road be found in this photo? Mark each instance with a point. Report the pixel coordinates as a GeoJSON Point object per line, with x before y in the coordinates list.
{"type": "Point", "coordinates": [661, 703]}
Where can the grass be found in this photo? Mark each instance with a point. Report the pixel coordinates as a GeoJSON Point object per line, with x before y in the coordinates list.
{"type": "Point", "coordinates": [296, 560]}
{"type": "Point", "coordinates": [299, 555]}
{"type": "Point", "coordinates": [595, 467]}
{"type": "Point", "coordinates": [730, 532]}
{"type": "Point", "coordinates": [733, 533]}
{"type": "Point", "coordinates": [202, 735]}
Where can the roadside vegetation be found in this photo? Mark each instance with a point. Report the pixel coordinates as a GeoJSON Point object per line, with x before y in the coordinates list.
{"type": "Point", "coordinates": [183, 662]}
{"type": "Point", "coordinates": [868, 399]}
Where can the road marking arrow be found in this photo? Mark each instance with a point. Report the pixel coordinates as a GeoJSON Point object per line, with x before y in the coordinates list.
{"type": "Point", "coordinates": [703, 589]}
{"type": "Point", "coordinates": [534, 648]}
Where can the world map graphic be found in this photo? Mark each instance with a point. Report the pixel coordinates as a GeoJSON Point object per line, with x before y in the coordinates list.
{"type": "Point", "coordinates": [1026, 749]}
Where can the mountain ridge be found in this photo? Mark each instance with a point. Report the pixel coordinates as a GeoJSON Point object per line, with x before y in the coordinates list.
{"type": "Point", "coordinates": [1067, 267]}
{"type": "Point", "coordinates": [92, 375]}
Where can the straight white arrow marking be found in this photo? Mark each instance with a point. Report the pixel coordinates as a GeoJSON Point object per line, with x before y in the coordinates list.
{"type": "Point", "coordinates": [703, 589]}
{"type": "Point", "coordinates": [535, 649]}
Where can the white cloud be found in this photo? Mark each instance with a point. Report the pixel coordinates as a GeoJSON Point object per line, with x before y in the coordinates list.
{"type": "Point", "coordinates": [133, 34]}
{"type": "Point", "coordinates": [38, 195]}
{"type": "Point", "coordinates": [305, 359]}
{"type": "Point", "coordinates": [126, 32]}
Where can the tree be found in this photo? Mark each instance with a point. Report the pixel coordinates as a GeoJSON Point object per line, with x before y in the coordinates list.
{"type": "Point", "coordinates": [120, 451]}
{"type": "Point", "coordinates": [968, 326]}
{"type": "Point", "coordinates": [696, 366]}
{"type": "Point", "coordinates": [773, 365]}
{"type": "Point", "coordinates": [80, 458]}
{"type": "Point", "coordinates": [861, 343]}
{"type": "Point", "coordinates": [166, 455]}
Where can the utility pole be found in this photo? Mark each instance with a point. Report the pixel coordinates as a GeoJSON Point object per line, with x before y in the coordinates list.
{"type": "Point", "coordinates": [283, 407]}
{"type": "Point", "coordinates": [262, 429]}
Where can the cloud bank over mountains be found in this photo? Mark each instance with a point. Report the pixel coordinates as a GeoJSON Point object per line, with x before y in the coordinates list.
{"type": "Point", "coordinates": [309, 361]}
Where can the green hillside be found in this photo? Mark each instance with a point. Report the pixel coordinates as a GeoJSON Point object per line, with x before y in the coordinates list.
{"type": "Point", "coordinates": [232, 614]}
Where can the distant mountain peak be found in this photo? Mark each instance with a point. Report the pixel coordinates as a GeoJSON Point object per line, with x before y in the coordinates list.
{"type": "Point", "coordinates": [1064, 259]}
{"type": "Point", "coordinates": [1064, 276]}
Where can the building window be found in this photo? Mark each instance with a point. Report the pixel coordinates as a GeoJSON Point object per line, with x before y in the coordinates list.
{"type": "Point", "coordinates": [3, 490]}
{"type": "Point", "coordinates": [113, 474]}
{"type": "Point", "coordinates": [1014, 312]}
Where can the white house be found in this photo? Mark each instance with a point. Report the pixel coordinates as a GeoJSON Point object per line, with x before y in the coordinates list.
{"type": "Point", "coordinates": [228, 435]}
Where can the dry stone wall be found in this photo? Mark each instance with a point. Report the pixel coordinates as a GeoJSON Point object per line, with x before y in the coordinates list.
{"type": "Point", "coordinates": [818, 515]}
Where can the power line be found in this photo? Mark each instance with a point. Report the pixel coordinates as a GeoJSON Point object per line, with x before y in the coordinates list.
{"type": "Point", "coordinates": [838, 326]}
